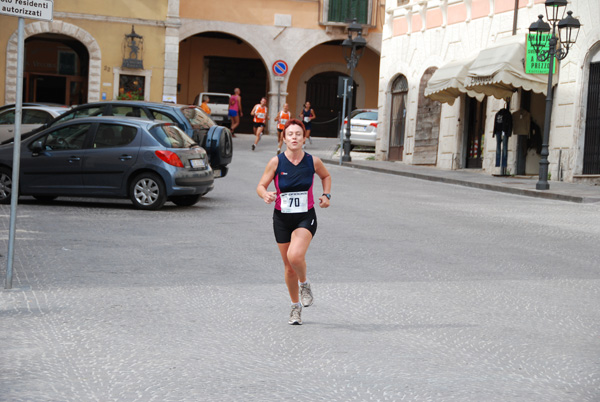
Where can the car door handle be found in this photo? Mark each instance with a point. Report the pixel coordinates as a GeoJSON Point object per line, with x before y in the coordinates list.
{"type": "Point", "coordinates": [74, 159]}
{"type": "Point", "coordinates": [125, 157]}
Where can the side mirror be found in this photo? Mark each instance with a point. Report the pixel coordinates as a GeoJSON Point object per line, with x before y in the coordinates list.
{"type": "Point", "coordinates": [37, 147]}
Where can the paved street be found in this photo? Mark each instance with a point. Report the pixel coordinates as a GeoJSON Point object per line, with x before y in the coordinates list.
{"type": "Point", "coordinates": [424, 291]}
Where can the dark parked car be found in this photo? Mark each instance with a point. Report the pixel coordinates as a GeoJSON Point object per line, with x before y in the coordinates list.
{"type": "Point", "coordinates": [193, 121]}
{"type": "Point", "coordinates": [148, 161]}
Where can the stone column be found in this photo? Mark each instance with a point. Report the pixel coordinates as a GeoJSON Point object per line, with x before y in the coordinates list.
{"type": "Point", "coordinates": [173, 23]}
{"type": "Point", "coordinates": [281, 88]}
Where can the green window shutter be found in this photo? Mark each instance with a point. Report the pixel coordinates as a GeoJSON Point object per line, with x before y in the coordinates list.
{"type": "Point", "coordinates": [344, 10]}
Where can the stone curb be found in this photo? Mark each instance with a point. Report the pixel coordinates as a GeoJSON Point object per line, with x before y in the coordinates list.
{"type": "Point", "coordinates": [484, 186]}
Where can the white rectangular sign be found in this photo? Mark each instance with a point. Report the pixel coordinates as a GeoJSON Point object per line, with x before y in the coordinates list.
{"type": "Point", "coordinates": [34, 9]}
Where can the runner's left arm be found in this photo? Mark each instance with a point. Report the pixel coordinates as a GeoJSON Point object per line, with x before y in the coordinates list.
{"type": "Point", "coordinates": [325, 177]}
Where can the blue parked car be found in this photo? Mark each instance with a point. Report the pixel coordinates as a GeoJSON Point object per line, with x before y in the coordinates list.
{"type": "Point", "coordinates": [150, 162]}
{"type": "Point", "coordinates": [215, 139]}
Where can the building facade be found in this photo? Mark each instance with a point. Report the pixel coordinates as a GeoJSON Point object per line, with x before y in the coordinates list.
{"type": "Point", "coordinates": [456, 128]}
{"type": "Point", "coordinates": [174, 49]}
{"type": "Point", "coordinates": [84, 55]}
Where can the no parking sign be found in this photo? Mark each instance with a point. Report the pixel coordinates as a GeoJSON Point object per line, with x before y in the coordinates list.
{"type": "Point", "coordinates": [280, 67]}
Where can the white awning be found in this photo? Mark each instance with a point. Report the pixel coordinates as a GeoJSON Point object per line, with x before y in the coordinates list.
{"type": "Point", "coordinates": [499, 70]}
{"type": "Point", "coordinates": [447, 83]}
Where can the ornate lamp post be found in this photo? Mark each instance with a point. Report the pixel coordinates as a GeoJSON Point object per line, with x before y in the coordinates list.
{"type": "Point", "coordinates": [353, 47]}
{"type": "Point", "coordinates": [568, 30]}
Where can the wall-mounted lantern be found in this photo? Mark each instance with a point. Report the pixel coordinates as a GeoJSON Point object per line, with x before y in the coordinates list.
{"type": "Point", "coordinates": [133, 46]}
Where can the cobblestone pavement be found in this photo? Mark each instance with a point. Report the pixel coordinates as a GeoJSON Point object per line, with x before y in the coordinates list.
{"type": "Point", "coordinates": [423, 292]}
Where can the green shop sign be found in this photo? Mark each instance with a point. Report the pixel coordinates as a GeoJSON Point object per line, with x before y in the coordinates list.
{"type": "Point", "coordinates": [532, 64]}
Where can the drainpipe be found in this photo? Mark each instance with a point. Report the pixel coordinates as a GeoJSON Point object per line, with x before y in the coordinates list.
{"type": "Point", "coordinates": [515, 17]}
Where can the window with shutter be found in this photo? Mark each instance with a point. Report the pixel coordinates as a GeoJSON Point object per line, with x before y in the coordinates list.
{"type": "Point", "coordinates": [346, 10]}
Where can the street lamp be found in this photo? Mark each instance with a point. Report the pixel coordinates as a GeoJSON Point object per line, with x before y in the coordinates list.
{"type": "Point", "coordinates": [353, 47]}
{"type": "Point", "coordinates": [568, 30]}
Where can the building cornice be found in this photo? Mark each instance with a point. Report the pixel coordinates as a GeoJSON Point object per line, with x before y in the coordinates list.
{"type": "Point", "coordinates": [170, 22]}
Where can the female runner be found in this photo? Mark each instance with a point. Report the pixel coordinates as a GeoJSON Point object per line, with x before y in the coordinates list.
{"type": "Point", "coordinates": [294, 218]}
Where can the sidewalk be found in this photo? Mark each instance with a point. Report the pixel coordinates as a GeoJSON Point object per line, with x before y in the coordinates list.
{"type": "Point", "coordinates": [580, 193]}
{"type": "Point", "coordinates": [326, 149]}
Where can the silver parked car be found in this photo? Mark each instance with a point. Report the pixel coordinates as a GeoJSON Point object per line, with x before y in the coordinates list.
{"type": "Point", "coordinates": [363, 127]}
{"type": "Point", "coordinates": [34, 116]}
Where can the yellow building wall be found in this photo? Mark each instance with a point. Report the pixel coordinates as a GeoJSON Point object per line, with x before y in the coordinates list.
{"type": "Point", "coordinates": [305, 14]}
{"type": "Point", "coordinates": [109, 35]}
{"type": "Point", "coordinates": [141, 9]}
{"type": "Point", "coordinates": [193, 50]}
{"type": "Point", "coordinates": [8, 26]}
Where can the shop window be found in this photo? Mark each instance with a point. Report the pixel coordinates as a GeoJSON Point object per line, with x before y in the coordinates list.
{"type": "Point", "coordinates": [346, 10]}
{"type": "Point", "coordinates": [131, 87]}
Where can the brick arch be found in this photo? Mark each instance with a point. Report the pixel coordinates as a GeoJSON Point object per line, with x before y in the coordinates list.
{"type": "Point", "coordinates": [58, 27]}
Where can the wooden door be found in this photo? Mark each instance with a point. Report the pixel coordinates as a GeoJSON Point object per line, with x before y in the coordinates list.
{"type": "Point", "coordinates": [398, 118]}
{"type": "Point", "coordinates": [591, 152]}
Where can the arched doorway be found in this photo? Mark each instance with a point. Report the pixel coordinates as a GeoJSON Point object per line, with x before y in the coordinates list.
{"type": "Point", "coordinates": [398, 118]}
{"type": "Point", "coordinates": [321, 92]}
{"type": "Point", "coordinates": [591, 151]}
{"type": "Point", "coordinates": [427, 132]}
{"type": "Point", "coordinates": [219, 62]}
{"type": "Point", "coordinates": [56, 69]}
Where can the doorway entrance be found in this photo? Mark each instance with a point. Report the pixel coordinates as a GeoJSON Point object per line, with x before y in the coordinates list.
{"type": "Point", "coordinates": [56, 70]}
{"type": "Point", "coordinates": [591, 152]}
{"type": "Point", "coordinates": [321, 92]}
{"type": "Point", "coordinates": [250, 75]}
{"type": "Point", "coordinates": [475, 118]}
{"type": "Point", "coordinates": [398, 118]}
{"type": "Point", "coordinates": [427, 132]}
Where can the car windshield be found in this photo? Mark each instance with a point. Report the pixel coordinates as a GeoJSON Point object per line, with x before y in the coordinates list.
{"type": "Point", "coordinates": [171, 136]}
{"type": "Point", "coordinates": [366, 116]}
{"type": "Point", "coordinates": [197, 118]}
{"type": "Point", "coordinates": [219, 99]}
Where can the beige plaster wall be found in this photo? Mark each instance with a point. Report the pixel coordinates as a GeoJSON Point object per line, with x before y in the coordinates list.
{"type": "Point", "coordinates": [140, 9]}
{"type": "Point", "coordinates": [256, 12]}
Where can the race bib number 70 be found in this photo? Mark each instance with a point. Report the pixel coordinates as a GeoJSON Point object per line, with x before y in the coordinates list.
{"type": "Point", "coordinates": [292, 203]}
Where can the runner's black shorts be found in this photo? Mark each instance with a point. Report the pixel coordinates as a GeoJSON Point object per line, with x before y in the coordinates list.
{"type": "Point", "coordinates": [285, 224]}
{"type": "Point", "coordinates": [257, 125]}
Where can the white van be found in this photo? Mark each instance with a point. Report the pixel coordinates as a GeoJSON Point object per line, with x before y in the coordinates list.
{"type": "Point", "coordinates": [218, 104]}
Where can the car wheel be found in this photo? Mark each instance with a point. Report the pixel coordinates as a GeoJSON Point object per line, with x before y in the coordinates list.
{"type": "Point", "coordinates": [5, 185]}
{"type": "Point", "coordinates": [186, 200]}
{"type": "Point", "coordinates": [147, 191]}
{"type": "Point", "coordinates": [45, 198]}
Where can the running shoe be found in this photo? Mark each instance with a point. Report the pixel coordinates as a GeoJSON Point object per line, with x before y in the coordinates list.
{"type": "Point", "coordinates": [306, 295]}
{"type": "Point", "coordinates": [295, 318]}
{"type": "Point", "coordinates": [253, 146]}
{"type": "Point", "coordinates": [310, 140]}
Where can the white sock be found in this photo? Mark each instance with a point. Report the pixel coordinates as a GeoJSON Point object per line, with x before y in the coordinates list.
{"type": "Point", "coordinates": [297, 304]}
{"type": "Point", "coordinates": [303, 283]}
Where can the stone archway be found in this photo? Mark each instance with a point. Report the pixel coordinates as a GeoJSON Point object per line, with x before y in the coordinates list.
{"type": "Point", "coordinates": [58, 27]}
{"type": "Point", "coordinates": [327, 67]}
{"type": "Point", "coordinates": [427, 129]}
